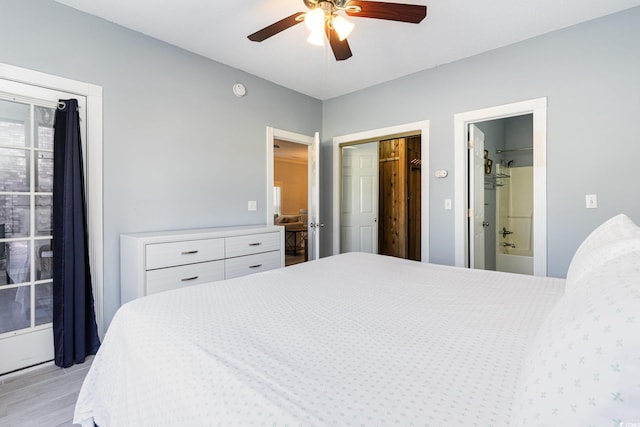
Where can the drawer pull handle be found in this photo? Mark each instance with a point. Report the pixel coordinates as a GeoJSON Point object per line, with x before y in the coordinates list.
{"type": "Point", "coordinates": [189, 252]}
{"type": "Point", "coordinates": [255, 244]}
{"type": "Point", "coordinates": [188, 279]}
{"type": "Point", "coordinates": [255, 266]}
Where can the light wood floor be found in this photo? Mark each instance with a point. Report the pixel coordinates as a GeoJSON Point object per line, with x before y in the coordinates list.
{"type": "Point", "coordinates": [44, 396]}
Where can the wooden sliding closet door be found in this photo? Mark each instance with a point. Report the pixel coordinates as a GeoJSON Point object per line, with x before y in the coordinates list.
{"type": "Point", "coordinates": [399, 201]}
{"type": "Point", "coordinates": [392, 237]}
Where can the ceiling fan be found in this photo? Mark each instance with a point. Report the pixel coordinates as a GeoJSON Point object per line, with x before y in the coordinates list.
{"type": "Point", "coordinates": [323, 17]}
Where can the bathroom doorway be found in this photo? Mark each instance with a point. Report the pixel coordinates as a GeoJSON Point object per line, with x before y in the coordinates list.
{"type": "Point", "coordinates": [507, 187]}
{"type": "Point", "coordinates": [518, 220]}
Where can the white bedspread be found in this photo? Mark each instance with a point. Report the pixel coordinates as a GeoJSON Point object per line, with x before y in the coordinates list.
{"type": "Point", "coordinates": [354, 339]}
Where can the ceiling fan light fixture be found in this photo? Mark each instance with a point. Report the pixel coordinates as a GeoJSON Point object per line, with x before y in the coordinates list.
{"type": "Point", "coordinates": [342, 26]}
{"type": "Point", "coordinates": [314, 20]}
{"type": "Point", "coordinates": [325, 19]}
{"type": "Point", "coordinates": [316, 38]}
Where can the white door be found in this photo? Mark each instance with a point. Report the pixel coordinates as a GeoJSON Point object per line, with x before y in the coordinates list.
{"type": "Point", "coordinates": [26, 193]}
{"type": "Point", "coordinates": [313, 233]}
{"type": "Point", "coordinates": [359, 207]}
{"type": "Point", "coordinates": [476, 197]}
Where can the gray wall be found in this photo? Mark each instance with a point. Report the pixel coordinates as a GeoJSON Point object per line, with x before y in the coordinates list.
{"type": "Point", "coordinates": [180, 150]}
{"type": "Point", "coordinates": [589, 74]}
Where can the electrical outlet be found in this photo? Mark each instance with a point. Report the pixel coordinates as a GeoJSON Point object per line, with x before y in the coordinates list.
{"type": "Point", "coordinates": [591, 201]}
{"type": "Point", "coordinates": [252, 205]}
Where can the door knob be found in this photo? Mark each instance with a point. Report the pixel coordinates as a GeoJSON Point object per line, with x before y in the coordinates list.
{"type": "Point", "coordinates": [485, 224]}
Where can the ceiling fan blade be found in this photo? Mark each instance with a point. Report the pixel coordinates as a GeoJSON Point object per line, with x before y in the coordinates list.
{"type": "Point", "coordinates": [276, 27]}
{"type": "Point", "coordinates": [411, 13]}
{"type": "Point", "coordinates": [341, 49]}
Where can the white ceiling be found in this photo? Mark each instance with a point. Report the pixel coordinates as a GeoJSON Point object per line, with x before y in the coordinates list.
{"type": "Point", "coordinates": [382, 50]}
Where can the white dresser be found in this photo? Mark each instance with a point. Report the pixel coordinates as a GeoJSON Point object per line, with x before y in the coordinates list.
{"type": "Point", "coordinates": [160, 261]}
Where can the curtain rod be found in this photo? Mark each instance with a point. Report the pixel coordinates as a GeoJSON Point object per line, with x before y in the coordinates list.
{"type": "Point", "coordinates": [514, 149]}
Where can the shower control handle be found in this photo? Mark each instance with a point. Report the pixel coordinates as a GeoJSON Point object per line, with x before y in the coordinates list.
{"type": "Point", "coordinates": [505, 232]}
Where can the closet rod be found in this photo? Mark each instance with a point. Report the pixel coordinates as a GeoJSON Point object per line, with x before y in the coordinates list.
{"type": "Point", "coordinates": [514, 149]}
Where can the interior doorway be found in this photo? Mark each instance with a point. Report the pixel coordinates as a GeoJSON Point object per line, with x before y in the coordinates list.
{"type": "Point", "coordinates": [379, 202]}
{"type": "Point", "coordinates": [289, 155]}
{"type": "Point", "coordinates": [503, 194]}
{"type": "Point", "coordinates": [501, 188]}
{"type": "Point", "coordinates": [291, 194]}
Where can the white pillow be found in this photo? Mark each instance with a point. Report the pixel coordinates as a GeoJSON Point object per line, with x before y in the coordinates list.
{"type": "Point", "coordinates": [583, 367]}
{"type": "Point", "coordinates": [613, 238]}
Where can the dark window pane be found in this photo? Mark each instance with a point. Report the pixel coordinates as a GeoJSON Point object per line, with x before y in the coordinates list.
{"type": "Point", "coordinates": [14, 170]}
{"type": "Point", "coordinates": [15, 215]}
{"type": "Point", "coordinates": [44, 215]}
{"type": "Point", "coordinates": [14, 122]}
{"type": "Point", "coordinates": [44, 259]}
{"type": "Point", "coordinates": [14, 309]}
{"type": "Point", "coordinates": [44, 303]}
{"type": "Point", "coordinates": [18, 262]}
{"type": "Point", "coordinates": [44, 127]}
{"type": "Point", "coordinates": [44, 171]}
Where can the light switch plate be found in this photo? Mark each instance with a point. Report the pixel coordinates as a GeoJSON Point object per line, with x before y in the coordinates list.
{"type": "Point", "coordinates": [447, 204]}
{"type": "Point", "coordinates": [591, 201]}
{"type": "Point", "coordinates": [252, 205]}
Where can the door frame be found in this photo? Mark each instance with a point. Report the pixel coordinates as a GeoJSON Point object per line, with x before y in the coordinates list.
{"type": "Point", "coordinates": [537, 107]}
{"type": "Point", "coordinates": [376, 135]}
{"type": "Point", "coordinates": [274, 134]}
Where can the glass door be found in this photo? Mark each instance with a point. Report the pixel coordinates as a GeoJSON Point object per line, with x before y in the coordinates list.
{"type": "Point", "coordinates": [26, 196]}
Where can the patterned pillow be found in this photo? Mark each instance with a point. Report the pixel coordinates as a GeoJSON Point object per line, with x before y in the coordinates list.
{"type": "Point", "coordinates": [615, 237]}
{"type": "Point", "coordinates": [583, 368]}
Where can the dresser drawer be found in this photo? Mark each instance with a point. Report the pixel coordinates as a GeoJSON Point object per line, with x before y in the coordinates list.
{"type": "Point", "coordinates": [152, 262]}
{"type": "Point", "coordinates": [241, 266]}
{"type": "Point", "coordinates": [252, 244]}
{"type": "Point", "coordinates": [165, 279]}
{"type": "Point", "coordinates": [160, 255]}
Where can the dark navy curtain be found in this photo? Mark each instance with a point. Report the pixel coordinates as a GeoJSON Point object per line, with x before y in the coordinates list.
{"type": "Point", "coordinates": [75, 332]}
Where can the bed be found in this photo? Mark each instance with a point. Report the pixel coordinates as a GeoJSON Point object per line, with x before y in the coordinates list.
{"type": "Point", "coordinates": [361, 339]}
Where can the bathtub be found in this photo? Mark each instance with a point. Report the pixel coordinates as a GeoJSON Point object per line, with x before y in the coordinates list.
{"type": "Point", "coordinates": [515, 262]}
